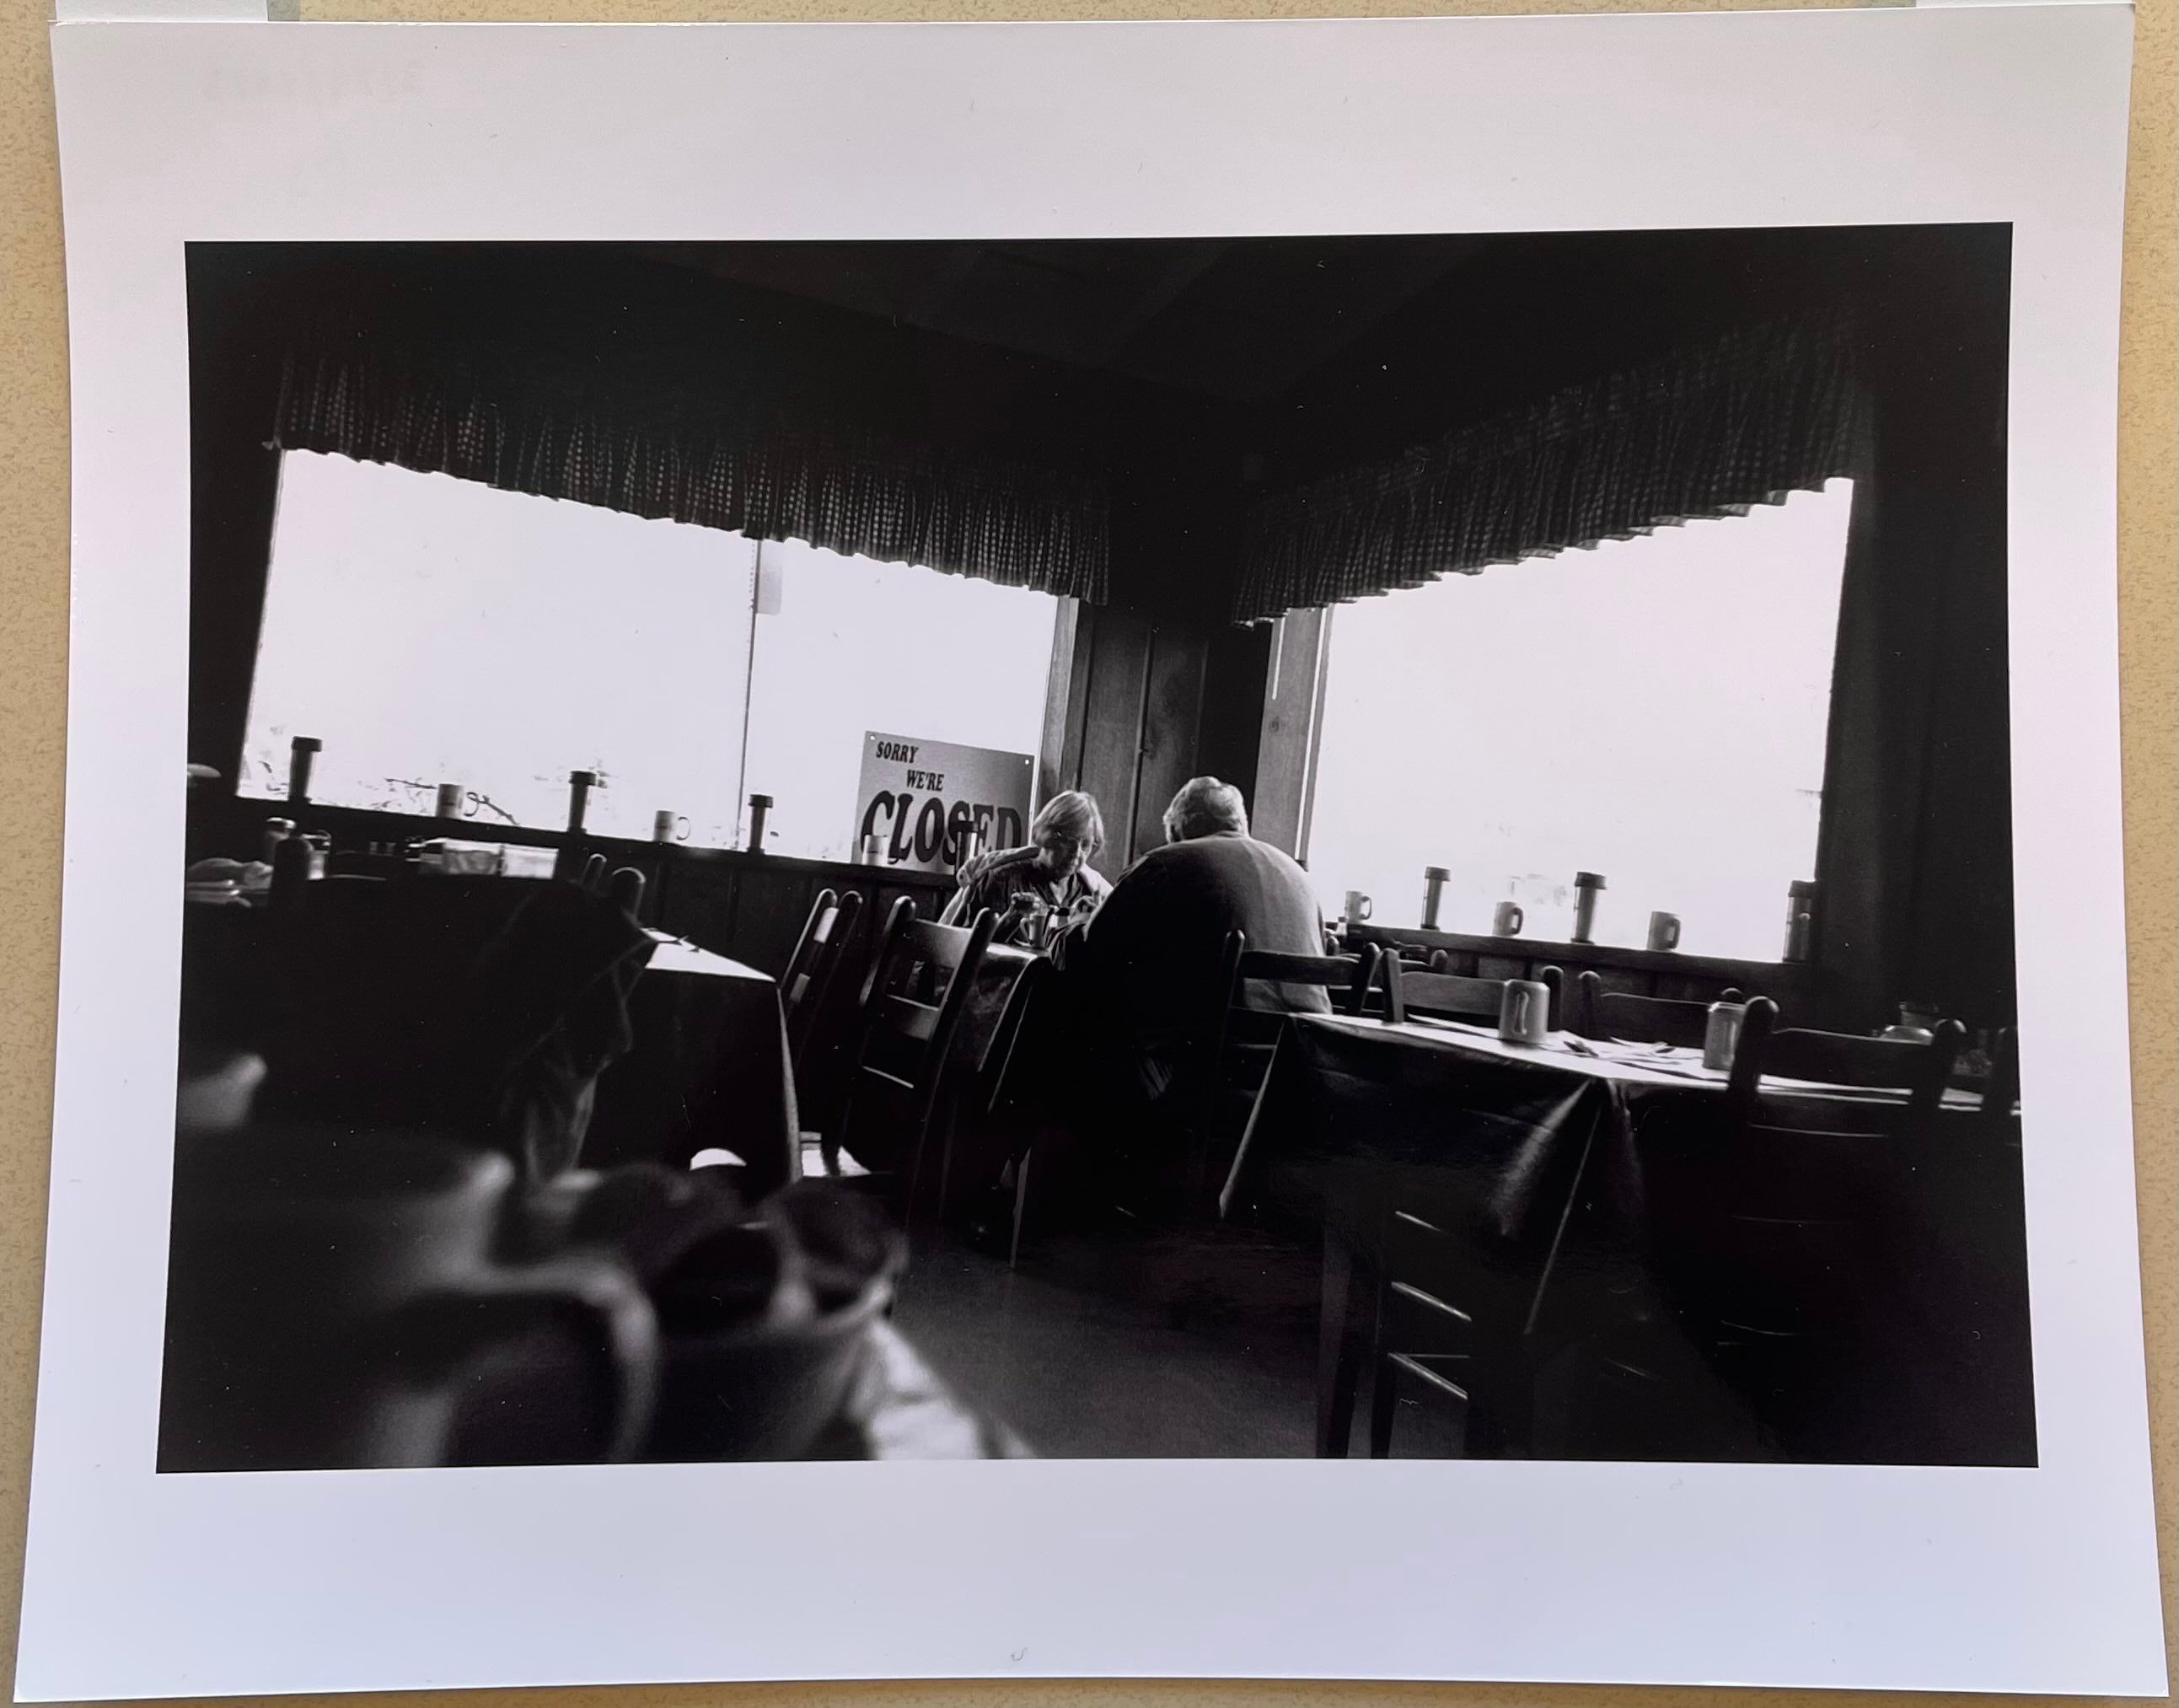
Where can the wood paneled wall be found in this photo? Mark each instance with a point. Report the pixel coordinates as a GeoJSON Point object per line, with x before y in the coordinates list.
{"type": "Point", "coordinates": [1151, 704]}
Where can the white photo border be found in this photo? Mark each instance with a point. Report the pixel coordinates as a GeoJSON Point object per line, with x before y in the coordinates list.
{"type": "Point", "coordinates": [2023, 1580]}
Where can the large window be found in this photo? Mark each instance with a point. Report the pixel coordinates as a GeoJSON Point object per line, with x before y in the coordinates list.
{"type": "Point", "coordinates": [846, 644]}
{"type": "Point", "coordinates": [1653, 709]}
{"type": "Point", "coordinates": [430, 630]}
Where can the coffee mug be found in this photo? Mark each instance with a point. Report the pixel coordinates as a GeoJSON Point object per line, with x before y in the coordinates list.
{"type": "Point", "coordinates": [1357, 908]}
{"type": "Point", "coordinates": [1664, 931]}
{"type": "Point", "coordinates": [1506, 919]}
{"type": "Point", "coordinates": [1524, 1012]}
{"type": "Point", "coordinates": [449, 802]}
{"type": "Point", "coordinates": [333, 1293]}
{"type": "Point", "coordinates": [668, 826]}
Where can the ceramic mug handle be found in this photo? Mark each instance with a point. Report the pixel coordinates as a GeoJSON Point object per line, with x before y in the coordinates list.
{"type": "Point", "coordinates": [463, 1321]}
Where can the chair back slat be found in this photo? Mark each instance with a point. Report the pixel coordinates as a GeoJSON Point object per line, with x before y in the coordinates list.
{"type": "Point", "coordinates": [941, 948]}
{"type": "Point", "coordinates": [796, 973]}
{"type": "Point", "coordinates": [1300, 970]}
{"type": "Point", "coordinates": [1447, 995]}
{"type": "Point", "coordinates": [904, 1018]}
{"type": "Point", "coordinates": [1601, 1014]}
{"type": "Point", "coordinates": [1920, 1070]}
{"type": "Point", "coordinates": [898, 917]}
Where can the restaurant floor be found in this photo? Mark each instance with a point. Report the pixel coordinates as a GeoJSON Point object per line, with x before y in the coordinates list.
{"type": "Point", "coordinates": [1123, 1341]}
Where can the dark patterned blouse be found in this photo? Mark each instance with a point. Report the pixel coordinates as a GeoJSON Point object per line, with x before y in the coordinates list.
{"type": "Point", "coordinates": [993, 880]}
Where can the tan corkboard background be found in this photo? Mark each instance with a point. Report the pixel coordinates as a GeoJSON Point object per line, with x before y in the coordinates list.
{"type": "Point", "coordinates": [34, 569]}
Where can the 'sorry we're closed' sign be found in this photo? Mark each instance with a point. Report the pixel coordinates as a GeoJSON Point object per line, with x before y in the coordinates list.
{"type": "Point", "coordinates": [926, 800]}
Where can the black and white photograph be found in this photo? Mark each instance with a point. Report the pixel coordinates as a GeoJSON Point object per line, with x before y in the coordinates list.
{"type": "Point", "coordinates": [1280, 849]}
{"type": "Point", "coordinates": [1201, 847]}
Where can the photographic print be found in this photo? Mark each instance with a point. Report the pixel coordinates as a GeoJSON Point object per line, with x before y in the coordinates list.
{"type": "Point", "coordinates": [1161, 848]}
{"type": "Point", "coordinates": [1260, 849]}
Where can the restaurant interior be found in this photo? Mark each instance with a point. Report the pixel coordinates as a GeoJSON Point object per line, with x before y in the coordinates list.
{"type": "Point", "coordinates": [607, 662]}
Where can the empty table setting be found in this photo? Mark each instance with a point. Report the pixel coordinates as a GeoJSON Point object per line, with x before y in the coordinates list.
{"type": "Point", "coordinates": [1567, 1182]}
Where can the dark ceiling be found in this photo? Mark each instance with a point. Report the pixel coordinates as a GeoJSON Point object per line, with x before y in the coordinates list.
{"type": "Point", "coordinates": [1240, 320]}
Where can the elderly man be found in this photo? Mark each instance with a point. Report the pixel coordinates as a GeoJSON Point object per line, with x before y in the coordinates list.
{"type": "Point", "coordinates": [1146, 966]}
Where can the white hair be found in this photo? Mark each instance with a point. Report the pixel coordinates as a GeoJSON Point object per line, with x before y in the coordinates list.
{"type": "Point", "coordinates": [1205, 807]}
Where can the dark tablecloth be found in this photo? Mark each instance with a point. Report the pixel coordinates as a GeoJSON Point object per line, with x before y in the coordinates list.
{"type": "Point", "coordinates": [703, 1064]}
{"type": "Point", "coordinates": [708, 1069]}
{"type": "Point", "coordinates": [1576, 1187]}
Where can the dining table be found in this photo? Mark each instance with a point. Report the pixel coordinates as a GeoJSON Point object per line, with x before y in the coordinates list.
{"type": "Point", "coordinates": [1563, 1170]}
{"type": "Point", "coordinates": [708, 1068]}
{"type": "Point", "coordinates": [706, 1065]}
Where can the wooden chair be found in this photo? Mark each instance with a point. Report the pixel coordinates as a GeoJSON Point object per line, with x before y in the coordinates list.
{"type": "Point", "coordinates": [1237, 1044]}
{"type": "Point", "coordinates": [1416, 1333]}
{"type": "Point", "coordinates": [1790, 1241]}
{"type": "Point", "coordinates": [1447, 995]}
{"type": "Point", "coordinates": [1921, 1071]}
{"type": "Point", "coordinates": [1454, 995]}
{"type": "Point", "coordinates": [1419, 1332]}
{"type": "Point", "coordinates": [913, 996]}
{"type": "Point", "coordinates": [998, 1087]}
{"type": "Point", "coordinates": [814, 966]}
{"type": "Point", "coordinates": [1601, 1014]}
{"type": "Point", "coordinates": [1239, 1038]}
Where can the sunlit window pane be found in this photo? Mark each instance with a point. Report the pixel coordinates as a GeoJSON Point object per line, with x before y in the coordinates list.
{"type": "Point", "coordinates": [856, 645]}
{"type": "Point", "coordinates": [430, 630]}
{"type": "Point", "coordinates": [1655, 710]}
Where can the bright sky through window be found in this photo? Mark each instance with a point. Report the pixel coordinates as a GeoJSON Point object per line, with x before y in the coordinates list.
{"type": "Point", "coordinates": [431, 630]}
{"type": "Point", "coordinates": [1653, 709]}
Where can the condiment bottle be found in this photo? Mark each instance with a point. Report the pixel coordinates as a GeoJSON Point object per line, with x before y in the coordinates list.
{"type": "Point", "coordinates": [301, 751]}
{"type": "Point", "coordinates": [759, 804]}
{"type": "Point", "coordinates": [1800, 919]}
{"type": "Point", "coordinates": [291, 870]}
{"type": "Point", "coordinates": [579, 785]}
{"type": "Point", "coordinates": [1433, 882]}
{"type": "Point", "coordinates": [276, 831]}
{"type": "Point", "coordinates": [568, 866]}
{"type": "Point", "coordinates": [1585, 888]}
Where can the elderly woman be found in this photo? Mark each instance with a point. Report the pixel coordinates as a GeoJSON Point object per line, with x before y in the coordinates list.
{"type": "Point", "coordinates": [1054, 869]}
